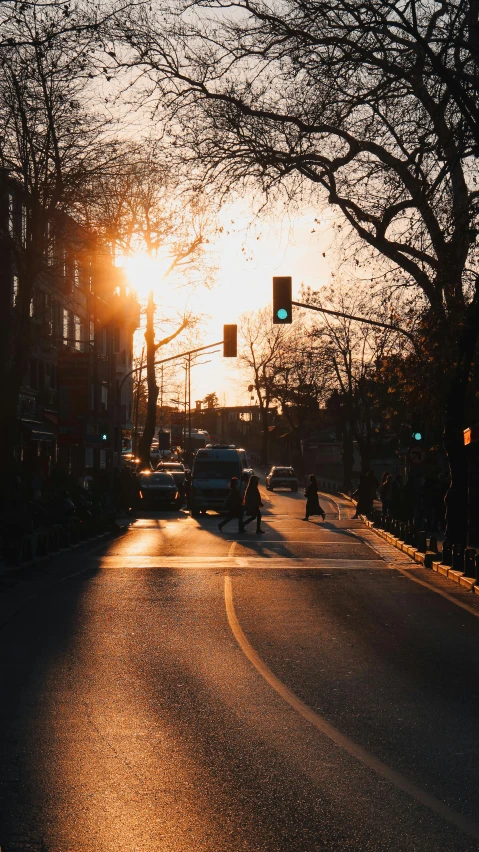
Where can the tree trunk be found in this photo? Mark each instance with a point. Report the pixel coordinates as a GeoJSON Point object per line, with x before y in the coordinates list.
{"type": "Point", "coordinates": [144, 444]}
{"type": "Point", "coordinates": [265, 437]}
{"type": "Point", "coordinates": [348, 458]}
{"type": "Point", "coordinates": [457, 495]}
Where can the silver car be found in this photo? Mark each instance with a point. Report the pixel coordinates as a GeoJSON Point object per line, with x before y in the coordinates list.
{"type": "Point", "coordinates": [282, 477]}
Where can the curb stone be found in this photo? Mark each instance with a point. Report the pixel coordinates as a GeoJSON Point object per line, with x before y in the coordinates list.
{"type": "Point", "coordinates": [425, 559]}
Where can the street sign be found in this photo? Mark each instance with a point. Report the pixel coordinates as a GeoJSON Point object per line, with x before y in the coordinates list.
{"type": "Point", "coordinates": [416, 455]}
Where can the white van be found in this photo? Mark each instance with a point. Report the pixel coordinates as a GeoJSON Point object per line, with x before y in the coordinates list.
{"type": "Point", "coordinates": [243, 457]}
{"type": "Point", "coordinates": [212, 471]}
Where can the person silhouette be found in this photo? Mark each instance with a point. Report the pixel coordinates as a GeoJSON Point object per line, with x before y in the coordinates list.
{"type": "Point", "coordinates": [312, 500]}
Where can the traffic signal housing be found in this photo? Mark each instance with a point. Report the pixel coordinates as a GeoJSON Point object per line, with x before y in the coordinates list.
{"type": "Point", "coordinates": [282, 300]}
{"type": "Point", "coordinates": [230, 341]}
{"type": "Point", "coordinates": [417, 432]}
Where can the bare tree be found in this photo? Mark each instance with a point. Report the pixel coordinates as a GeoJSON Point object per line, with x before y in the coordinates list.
{"type": "Point", "coordinates": [260, 345]}
{"type": "Point", "coordinates": [144, 206]}
{"type": "Point", "coordinates": [300, 382]}
{"type": "Point", "coordinates": [371, 108]}
{"type": "Point", "coordinates": [351, 353]}
{"type": "Point", "coordinates": [52, 145]}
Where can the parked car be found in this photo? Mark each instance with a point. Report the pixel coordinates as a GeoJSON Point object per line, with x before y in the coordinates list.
{"type": "Point", "coordinates": [158, 488]}
{"type": "Point", "coordinates": [178, 472]}
{"type": "Point", "coordinates": [282, 477]}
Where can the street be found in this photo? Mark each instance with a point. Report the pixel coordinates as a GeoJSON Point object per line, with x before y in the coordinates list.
{"type": "Point", "coordinates": [178, 689]}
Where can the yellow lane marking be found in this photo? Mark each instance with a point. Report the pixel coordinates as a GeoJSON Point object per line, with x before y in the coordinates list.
{"type": "Point", "coordinates": [357, 751]}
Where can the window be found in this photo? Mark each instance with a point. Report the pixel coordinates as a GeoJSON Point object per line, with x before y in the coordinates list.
{"type": "Point", "coordinates": [78, 332]}
{"type": "Point", "coordinates": [11, 217]}
{"type": "Point", "coordinates": [50, 248]}
{"type": "Point", "coordinates": [66, 326]}
{"type": "Point", "coordinates": [104, 397]}
{"type": "Point", "coordinates": [92, 331]}
{"type": "Point", "coordinates": [24, 225]}
{"type": "Point", "coordinates": [31, 307]}
{"type": "Point", "coordinates": [15, 290]}
{"type": "Point", "coordinates": [76, 272]}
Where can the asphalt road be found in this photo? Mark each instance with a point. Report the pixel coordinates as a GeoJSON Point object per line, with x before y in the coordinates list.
{"type": "Point", "coordinates": [178, 689]}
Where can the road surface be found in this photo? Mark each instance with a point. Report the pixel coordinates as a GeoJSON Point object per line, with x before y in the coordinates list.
{"type": "Point", "coordinates": [178, 689]}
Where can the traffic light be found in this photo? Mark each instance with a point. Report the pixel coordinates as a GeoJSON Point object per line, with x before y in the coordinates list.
{"type": "Point", "coordinates": [417, 432]}
{"type": "Point", "coordinates": [104, 433]}
{"type": "Point", "coordinates": [282, 296]}
{"type": "Point", "coordinates": [230, 337]}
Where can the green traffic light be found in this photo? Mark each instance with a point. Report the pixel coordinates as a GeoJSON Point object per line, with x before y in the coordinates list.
{"type": "Point", "coordinates": [104, 437]}
{"type": "Point", "coordinates": [417, 436]}
{"type": "Point", "coordinates": [282, 313]}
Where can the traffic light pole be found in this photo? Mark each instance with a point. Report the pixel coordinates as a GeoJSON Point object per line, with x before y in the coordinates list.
{"type": "Point", "coordinates": [356, 319]}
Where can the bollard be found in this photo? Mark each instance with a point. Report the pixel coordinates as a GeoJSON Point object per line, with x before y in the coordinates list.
{"type": "Point", "coordinates": [433, 544]}
{"type": "Point", "coordinates": [422, 541]}
{"type": "Point", "coordinates": [446, 553]}
{"type": "Point", "coordinates": [469, 560]}
{"type": "Point", "coordinates": [458, 557]}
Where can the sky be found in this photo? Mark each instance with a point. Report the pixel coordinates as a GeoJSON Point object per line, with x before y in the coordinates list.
{"type": "Point", "coordinates": [247, 258]}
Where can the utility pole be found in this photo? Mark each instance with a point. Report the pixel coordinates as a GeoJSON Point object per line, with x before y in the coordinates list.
{"type": "Point", "coordinates": [153, 390]}
{"type": "Point", "coordinates": [189, 406]}
{"type": "Point", "coordinates": [137, 407]}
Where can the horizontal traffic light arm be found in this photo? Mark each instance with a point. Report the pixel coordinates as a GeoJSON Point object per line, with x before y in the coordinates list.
{"type": "Point", "coordinates": [171, 358]}
{"type": "Point", "coordinates": [356, 319]}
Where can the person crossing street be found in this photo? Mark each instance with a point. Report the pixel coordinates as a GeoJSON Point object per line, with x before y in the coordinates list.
{"type": "Point", "coordinates": [253, 503]}
{"type": "Point", "coordinates": [312, 500]}
{"type": "Point", "coordinates": [233, 505]}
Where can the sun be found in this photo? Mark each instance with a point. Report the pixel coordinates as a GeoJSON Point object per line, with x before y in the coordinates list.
{"type": "Point", "coordinates": [144, 272]}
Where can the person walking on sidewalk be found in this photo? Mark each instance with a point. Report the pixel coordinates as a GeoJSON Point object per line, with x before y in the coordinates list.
{"type": "Point", "coordinates": [253, 503]}
{"type": "Point", "coordinates": [233, 506]}
{"type": "Point", "coordinates": [312, 500]}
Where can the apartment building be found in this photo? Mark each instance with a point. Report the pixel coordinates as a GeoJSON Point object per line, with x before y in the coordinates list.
{"type": "Point", "coordinates": [73, 404]}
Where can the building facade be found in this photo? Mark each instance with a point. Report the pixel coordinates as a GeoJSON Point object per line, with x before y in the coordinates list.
{"type": "Point", "coordinates": [74, 402]}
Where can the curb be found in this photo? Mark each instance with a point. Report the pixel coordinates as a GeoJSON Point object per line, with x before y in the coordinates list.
{"type": "Point", "coordinates": [428, 560]}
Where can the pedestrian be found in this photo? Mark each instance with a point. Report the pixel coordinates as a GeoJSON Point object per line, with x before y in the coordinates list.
{"type": "Point", "coordinates": [385, 492]}
{"type": "Point", "coordinates": [233, 506]}
{"type": "Point", "coordinates": [253, 503]}
{"type": "Point", "coordinates": [372, 487]}
{"type": "Point", "coordinates": [397, 501]}
{"type": "Point", "coordinates": [312, 500]}
{"type": "Point", "coordinates": [361, 495]}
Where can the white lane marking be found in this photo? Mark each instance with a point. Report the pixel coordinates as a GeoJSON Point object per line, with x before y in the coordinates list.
{"type": "Point", "coordinates": [285, 542]}
{"type": "Point", "coordinates": [464, 823]}
{"type": "Point", "coordinates": [273, 562]}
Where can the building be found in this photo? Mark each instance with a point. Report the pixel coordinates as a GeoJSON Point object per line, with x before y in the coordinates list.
{"type": "Point", "coordinates": [75, 400]}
